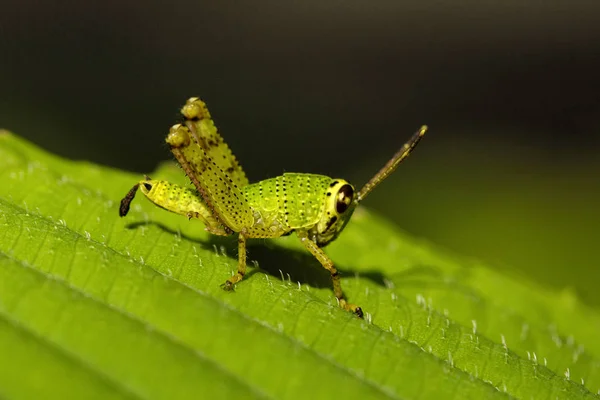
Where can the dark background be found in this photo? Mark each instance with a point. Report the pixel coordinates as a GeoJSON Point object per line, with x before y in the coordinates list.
{"type": "Point", "coordinates": [510, 89]}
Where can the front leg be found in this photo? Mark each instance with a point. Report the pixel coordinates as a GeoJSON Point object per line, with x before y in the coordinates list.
{"type": "Point", "coordinates": [229, 284]}
{"type": "Point", "coordinates": [335, 275]}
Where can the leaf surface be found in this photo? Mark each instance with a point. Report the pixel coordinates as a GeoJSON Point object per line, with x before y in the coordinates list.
{"type": "Point", "coordinates": [97, 306]}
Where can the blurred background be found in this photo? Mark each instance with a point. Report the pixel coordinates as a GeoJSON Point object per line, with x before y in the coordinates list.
{"type": "Point", "coordinates": [510, 89]}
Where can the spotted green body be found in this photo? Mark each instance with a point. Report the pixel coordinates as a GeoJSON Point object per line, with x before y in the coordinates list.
{"type": "Point", "coordinates": [315, 207]}
{"type": "Point", "coordinates": [296, 201]}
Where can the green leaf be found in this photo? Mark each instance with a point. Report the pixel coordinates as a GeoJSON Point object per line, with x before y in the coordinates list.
{"type": "Point", "coordinates": [97, 306]}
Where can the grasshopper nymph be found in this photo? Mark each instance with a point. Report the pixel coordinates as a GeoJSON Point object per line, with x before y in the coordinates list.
{"type": "Point", "coordinates": [316, 207]}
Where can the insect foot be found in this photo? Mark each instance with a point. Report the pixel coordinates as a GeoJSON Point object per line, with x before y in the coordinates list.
{"type": "Point", "coordinates": [229, 284]}
{"type": "Point", "coordinates": [352, 308]}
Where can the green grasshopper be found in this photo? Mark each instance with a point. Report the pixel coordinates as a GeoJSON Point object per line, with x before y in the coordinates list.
{"type": "Point", "coordinates": [316, 207]}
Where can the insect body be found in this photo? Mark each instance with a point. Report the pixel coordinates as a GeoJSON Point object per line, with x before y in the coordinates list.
{"type": "Point", "coordinates": [316, 207]}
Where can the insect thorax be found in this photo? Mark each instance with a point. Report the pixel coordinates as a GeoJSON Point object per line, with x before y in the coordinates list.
{"type": "Point", "coordinates": [287, 202]}
{"type": "Point", "coordinates": [299, 201]}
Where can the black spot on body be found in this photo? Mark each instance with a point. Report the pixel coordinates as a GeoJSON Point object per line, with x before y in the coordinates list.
{"type": "Point", "coordinates": [330, 223]}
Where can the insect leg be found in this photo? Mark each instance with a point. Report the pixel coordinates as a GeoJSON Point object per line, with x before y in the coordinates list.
{"type": "Point", "coordinates": [205, 133]}
{"type": "Point", "coordinates": [228, 285]}
{"type": "Point", "coordinates": [328, 265]}
{"type": "Point", "coordinates": [220, 194]}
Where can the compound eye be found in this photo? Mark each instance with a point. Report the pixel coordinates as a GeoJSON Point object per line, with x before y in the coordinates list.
{"type": "Point", "coordinates": [148, 186]}
{"type": "Point", "coordinates": [344, 198]}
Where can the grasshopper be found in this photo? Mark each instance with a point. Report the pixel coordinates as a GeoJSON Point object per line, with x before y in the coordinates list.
{"type": "Point", "coordinates": [316, 207]}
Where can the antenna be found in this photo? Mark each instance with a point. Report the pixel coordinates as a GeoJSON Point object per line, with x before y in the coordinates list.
{"type": "Point", "coordinates": [391, 165]}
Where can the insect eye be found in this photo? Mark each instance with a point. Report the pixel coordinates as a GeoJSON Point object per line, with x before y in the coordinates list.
{"type": "Point", "coordinates": [148, 186]}
{"type": "Point", "coordinates": [344, 198]}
